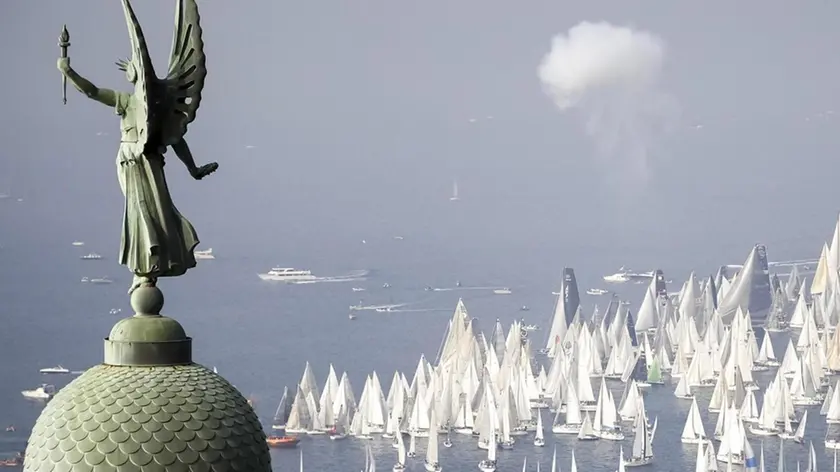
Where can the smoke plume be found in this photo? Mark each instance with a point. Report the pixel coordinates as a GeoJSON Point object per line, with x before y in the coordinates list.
{"type": "Point", "coordinates": [610, 75]}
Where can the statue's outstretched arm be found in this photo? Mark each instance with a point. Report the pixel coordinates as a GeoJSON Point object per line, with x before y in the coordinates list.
{"type": "Point", "coordinates": [101, 95]}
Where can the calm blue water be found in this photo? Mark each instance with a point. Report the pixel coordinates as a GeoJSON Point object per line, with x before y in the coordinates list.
{"type": "Point", "coordinates": [260, 334]}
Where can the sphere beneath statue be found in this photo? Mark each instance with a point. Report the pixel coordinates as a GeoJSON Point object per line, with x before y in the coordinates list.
{"type": "Point", "coordinates": [147, 300]}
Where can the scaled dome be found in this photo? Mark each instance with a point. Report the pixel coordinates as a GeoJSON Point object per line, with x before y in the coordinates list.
{"type": "Point", "coordinates": [148, 408]}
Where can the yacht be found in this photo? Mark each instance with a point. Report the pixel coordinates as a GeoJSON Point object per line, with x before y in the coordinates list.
{"type": "Point", "coordinates": [502, 291]}
{"type": "Point", "coordinates": [288, 274]}
{"type": "Point", "coordinates": [55, 370]}
{"type": "Point", "coordinates": [44, 392]}
{"type": "Point", "coordinates": [91, 257]}
{"type": "Point", "coordinates": [97, 280]}
{"type": "Point", "coordinates": [205, 254]}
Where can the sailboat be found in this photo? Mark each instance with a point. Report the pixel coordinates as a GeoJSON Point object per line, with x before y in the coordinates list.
{"type": "Point", "coordinates": [283, 410]}
{"type": "Point", "coordinates": [694, 432]}
{"type": "Point", "coordinates": [799, 435]}
{"type": "Point", "coordinates": [683, 391]}
{"type": "Point", "coordinates": [812, 458]}
{"type": "Point", "coordinates": [489, 464]}
{"type": "Point", "coordinates": [539, 440]}
{"type": "Point", "coordinates": [412, 446]}
{"type": "Point", "coordinates": [400, 465]}
{"type": "Point", "coordinates": [371, 460]}
{"type": "Point", "coordinates": [454, 197]}
{"type": "Point", "coordinates": [587, 433]}
{"type": "Point", "coordinates": [432, 463]}
{"type": "Point", "coordinates": [342, 424]}
{"type": "Point", "coordinates": [447, 442]}
{"type": "Point", "coordinates": [621, 463]}
{"type": "Point", "coordinates": [642, 447]}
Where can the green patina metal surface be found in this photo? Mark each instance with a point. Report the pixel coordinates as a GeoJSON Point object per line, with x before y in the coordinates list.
{"type": "Point", "coordinates": [172, 418]}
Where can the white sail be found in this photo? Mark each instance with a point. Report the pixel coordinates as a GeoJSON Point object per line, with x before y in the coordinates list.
{"type": "Point", "coordinates": [432, 447]}
{"type": "Point", "coordinates": [693, 431]}
{"type": "Point", "coordinates": [400, 449]}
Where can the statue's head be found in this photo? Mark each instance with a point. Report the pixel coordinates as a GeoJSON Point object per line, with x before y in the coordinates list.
{"type": "Point", "coordinates": [129, 69]}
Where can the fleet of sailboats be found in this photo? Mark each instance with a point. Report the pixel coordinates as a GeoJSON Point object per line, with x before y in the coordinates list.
{"type": "Point", "coordinates": [597, 372]}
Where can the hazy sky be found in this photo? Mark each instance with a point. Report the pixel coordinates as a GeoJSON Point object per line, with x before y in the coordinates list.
{"type": "Point", "coordinates": [358, 113]}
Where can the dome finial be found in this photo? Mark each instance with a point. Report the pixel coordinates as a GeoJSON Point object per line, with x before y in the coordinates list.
{"type": "Point", "coordinates": [147, 301]}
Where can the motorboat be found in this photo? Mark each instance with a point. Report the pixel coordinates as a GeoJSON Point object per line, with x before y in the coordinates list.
{"type": "Point", "coordinates": [352, 316]}
{"type": "Point", "coordinates": [358, 289]}
{"type": "Point", "coordinates": [288, 274]}
{"type": "Point", "coordinates": [44, 392]}
{"type": "Point", "coordinates": [283, 442]}
{"type": "Point", "coordinates": [91, 257]}
{"type": "Point", "coordinates": [55, 370]}
{"type": "Point", "coordinates": [502, 291]}
{"type": "Point", "coordinates": [597, 292]}
{"type": "Point", "coordinates": [78, 243]}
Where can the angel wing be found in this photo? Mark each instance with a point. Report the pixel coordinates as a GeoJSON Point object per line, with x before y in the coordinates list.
{"type": "Point", "coordinates": [185, 80]}
{"type": "Point", "coordinates": [146, 78]}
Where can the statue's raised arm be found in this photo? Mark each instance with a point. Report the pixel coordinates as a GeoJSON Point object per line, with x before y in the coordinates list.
{"type": "Point", "coordinates": [157, 241]}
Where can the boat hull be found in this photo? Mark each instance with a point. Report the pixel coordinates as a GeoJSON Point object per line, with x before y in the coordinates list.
{"type": "Point", "coordinates": [566, 429]}
{"type": "Point", "coordinates": [611, 435]}
{"type": "Point", "coordinates": [487, 466]}
{"type": "Point", "coordinates": [431, 467]}
{"type": "Point", "coordinates": [638, 462]}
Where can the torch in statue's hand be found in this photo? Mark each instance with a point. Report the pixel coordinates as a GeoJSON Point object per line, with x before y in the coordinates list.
{"type": "Point", "coordinates": [64, 60]}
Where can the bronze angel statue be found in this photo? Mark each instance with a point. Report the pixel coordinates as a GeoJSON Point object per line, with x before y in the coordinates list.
{"type": "Point", "coordinates": [157, 241]}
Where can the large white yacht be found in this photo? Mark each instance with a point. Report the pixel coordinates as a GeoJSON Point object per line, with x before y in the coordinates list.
{"type": "Point", "coordinates": [59, 369]}
{"type": "Point", "coordinates": [288, 274]}
{"type": "Point", "coordinates": [206, 254]}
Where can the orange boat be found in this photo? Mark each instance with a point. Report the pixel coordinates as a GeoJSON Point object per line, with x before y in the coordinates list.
{"type": "Point", "coordinates": [282, 441]}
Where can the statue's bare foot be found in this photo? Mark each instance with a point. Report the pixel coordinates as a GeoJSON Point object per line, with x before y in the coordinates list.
{"type": "Point", "coordinates": [205, 170]}
{"type": "Point", "coordinates": [139, 282]}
